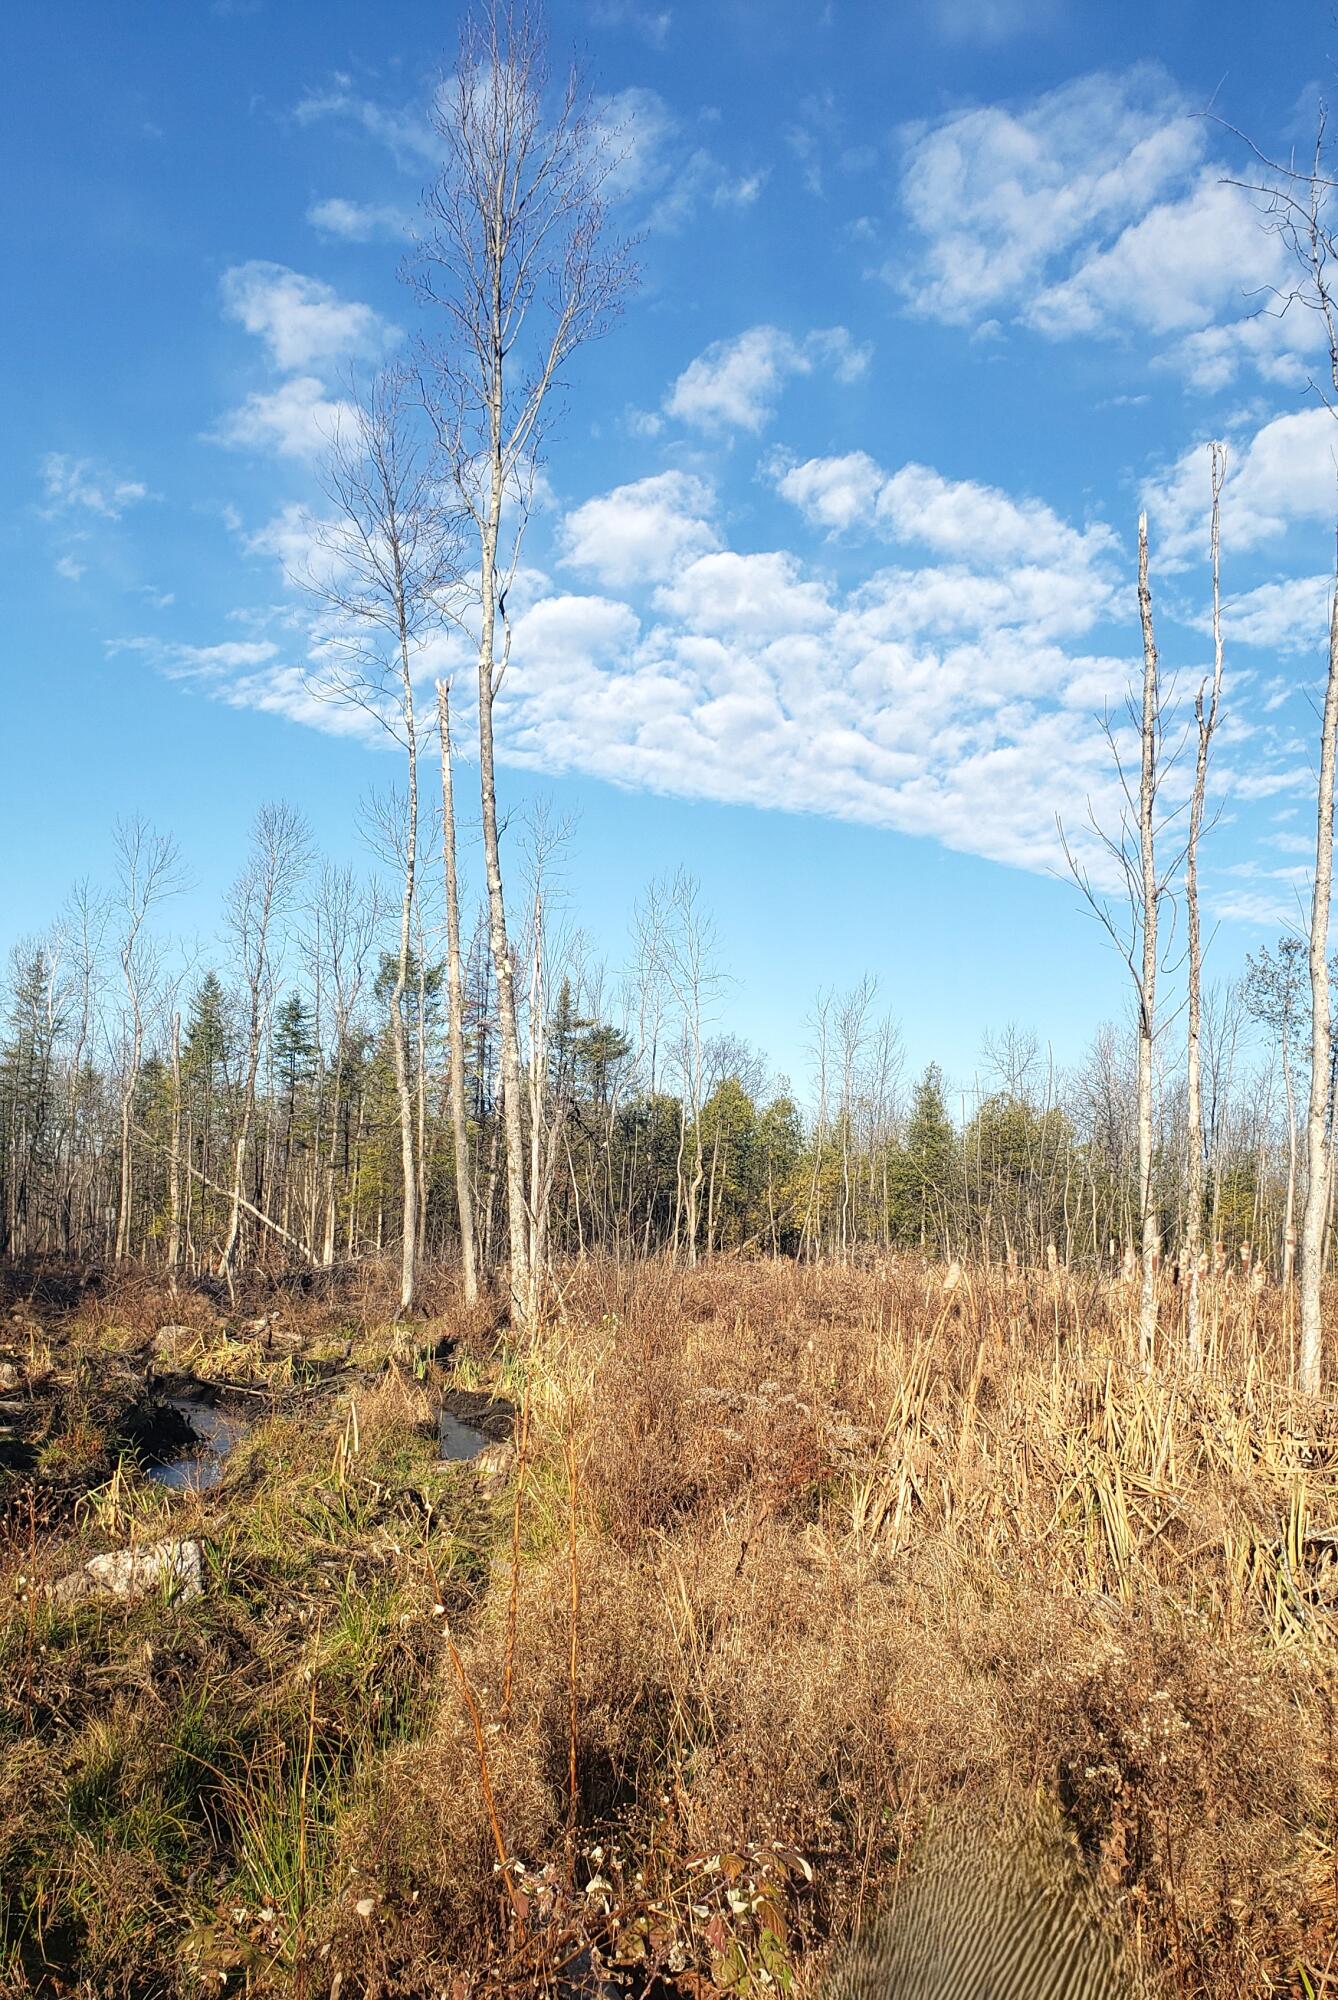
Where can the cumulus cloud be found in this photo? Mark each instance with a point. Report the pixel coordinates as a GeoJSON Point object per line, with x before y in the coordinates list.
{"type": "Point", "coordinates": [1091, 212]}
{"type": "Point", "coordinates": [1007, 561]}
{"type": "Point", "coordinates": [946, 698]}
{"type": "Point", "coordinates": [303, 321]}
{"type": "Point", "coordinates": [1283, 473]}
{"type": "Point", "coordinates": [736, 384]}
{"type": "Point", "coordinates": [297, 420]}
{"type": "Point", "coordinates": [642, 532]}
{"type": "Point", "coordinates": [1283, 617]}
{"type": "Point", "coordinates": [997, 195]}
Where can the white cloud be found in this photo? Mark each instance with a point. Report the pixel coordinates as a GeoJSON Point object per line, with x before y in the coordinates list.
{"type": "Point", "coordinates": [950, 699]}
{"type": "Point", "coordinates": [1090, 212]}
{"type": "Point", "coordinates": [1054, 577]}
{"type": "Point", "coordinates": [293, 538]}
{"type": "Point", "coordinates": [1183, 269]}
{"type": "Point", "coordinates": [651, 23]}
{"type": "Point", "coordinates": [1283, 617]}
{"type": "Point", "coordinates": [737, 383]}
{"type": "Point", "coordinates": [403, 130]}
{"type": "Point", "coordinates": [730, 595]}
{"type": "Point", "coordinates": [358, 221]}
{"type": "Point", "coordinates": [997, 195]}
{"type": "Point", "coordinates": [83, 485]}
{"type": "Point", "coordinates": [642, 532]}
{"type": "Point", "coordinates": [991, 20]}
{"type": "Point", "coordinates": [832, 493]}
{"type": "Point", "coordinates": [655, 163]}
{"type": "Point", "coordinates": [69, 568]}
{"type": "Point", "coordinates": [1286, 472]}
{"type": "Point", "coordinates": [303, 321]}
{"type": "Point", "coordinates": [297, 420]}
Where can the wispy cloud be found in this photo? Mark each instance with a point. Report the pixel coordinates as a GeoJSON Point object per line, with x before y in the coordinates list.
{"type": "Point", "coordinates": [359, 221]}
{"type": "Point", "coordinates": [737, 384]}
{"type": "Point", "coordinates": [86, 486]}
{"type": "Point", "coordinates": [403, 129]}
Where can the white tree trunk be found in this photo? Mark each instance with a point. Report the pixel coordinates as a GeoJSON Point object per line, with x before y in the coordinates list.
{"type": "Point", "coordinates": [1317, 1162]}
{"type": "Point", "coordinates": [464, 1197]}
{"type": "Point", "coordinates": [1147, 987]}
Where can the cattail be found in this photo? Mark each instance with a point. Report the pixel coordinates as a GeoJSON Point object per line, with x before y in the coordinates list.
{"type": "Point", "coordinates": [988, 1920]}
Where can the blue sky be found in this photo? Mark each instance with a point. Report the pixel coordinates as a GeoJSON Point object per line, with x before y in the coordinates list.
{"type": "Point", "coordinates": [834, 571]}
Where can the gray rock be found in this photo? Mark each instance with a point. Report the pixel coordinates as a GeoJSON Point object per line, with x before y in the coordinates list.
{"type": "Point", "coordinates": [177, 1567]}
{"type": "Point", "coordinates": [10, 1377]}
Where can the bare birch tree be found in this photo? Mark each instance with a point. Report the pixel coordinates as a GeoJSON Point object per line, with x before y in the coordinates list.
{"type": "Point", "coordinates": [1318, 1164]}
{"type": "Point", "coordinates": [386, 557]}
{"type": "Point", "coordinates": [1133, 852]}
{"type": "Point", "coordinates": [515, 254]}
{"type": "Point", "coordinates": [1297, 206]}
{"type": "Point", "coordinates": [1205, 717]}
{"type": "Point", "coordinates": [464, 1194]}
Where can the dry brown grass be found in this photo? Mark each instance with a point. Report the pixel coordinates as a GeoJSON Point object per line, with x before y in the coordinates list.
{"type": "Point", "coordinates": [805, 1560]}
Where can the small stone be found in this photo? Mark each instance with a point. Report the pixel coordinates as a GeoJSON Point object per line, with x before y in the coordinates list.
{"type": "Point", "coordinates": [9, 1376]}
{"type": "Point", "coordinates": [364, 1906]}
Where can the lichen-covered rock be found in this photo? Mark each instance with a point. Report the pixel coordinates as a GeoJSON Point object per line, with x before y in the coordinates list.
{"type": "Point", "coordinates": [176, 1567]}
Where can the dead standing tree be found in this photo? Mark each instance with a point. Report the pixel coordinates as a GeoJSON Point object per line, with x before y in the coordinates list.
{"type": "Point", "coordinates": [384, 559]}
{"type": "Point", "coordinates": [515, 255]}
{"type": "Point", "coordinates": [464, 1196]}
{"type": "Point", "coordinates": [1297, 206]}
{"type": "Point", "coordinates": [1135, 933]}
{"type": "Point", "coordinates": [1205, 717]}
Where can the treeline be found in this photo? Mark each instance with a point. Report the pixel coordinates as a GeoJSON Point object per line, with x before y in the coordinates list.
{"type": "Point", "coordinates": [203, 1112]}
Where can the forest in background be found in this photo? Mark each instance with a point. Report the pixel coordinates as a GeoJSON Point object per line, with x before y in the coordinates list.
{"type": "Point", "coordinates": [137, 1084]}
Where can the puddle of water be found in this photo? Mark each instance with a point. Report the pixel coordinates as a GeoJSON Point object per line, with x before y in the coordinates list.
{"type": "Point", "coordinates": [200, 1466]}
{"type": "Point", "coordinates": [457, 1440]}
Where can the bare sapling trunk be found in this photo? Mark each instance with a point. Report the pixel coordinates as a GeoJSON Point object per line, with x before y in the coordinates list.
{"type": "Point", "coordinates": [1147, 991]}
{"type": "Point", "coordinates": [399, 1032]}
{"type": "Point", "coordinates": [514, 255]}
{"type": "Point", "coordinates": [1205, 716]}
{"type": "Point", "coordinates": [1317, 1159]}
{"type": "Point", "coordinates": [174, 1166]}
{"type": "Point", "coordinates": [148, 870]}
{"type": "Point", "coordinates": [464, 1195]}
{"type": "Point", "coordinates": [256, 906]}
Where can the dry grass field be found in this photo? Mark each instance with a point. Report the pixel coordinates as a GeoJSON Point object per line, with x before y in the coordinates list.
{"type": "Point", "coordinates": [765, 1571]}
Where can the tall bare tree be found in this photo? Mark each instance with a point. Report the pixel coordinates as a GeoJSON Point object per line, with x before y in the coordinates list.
{"type": "Point", "coordinates": [1318, 1164]}
{"type": "Point", "coordinates": [1205, 717]}
{"type": "Point", "coordinates": [515, 253]}
{"type": "Point", "coordinates": [455, 1004]}
{"type": "Point", "coordinates": [1133, 852]}
{"type": "Point", "coordinates": [1297, 204]}
{"type": "Point", "coordinates": [385, 558]}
